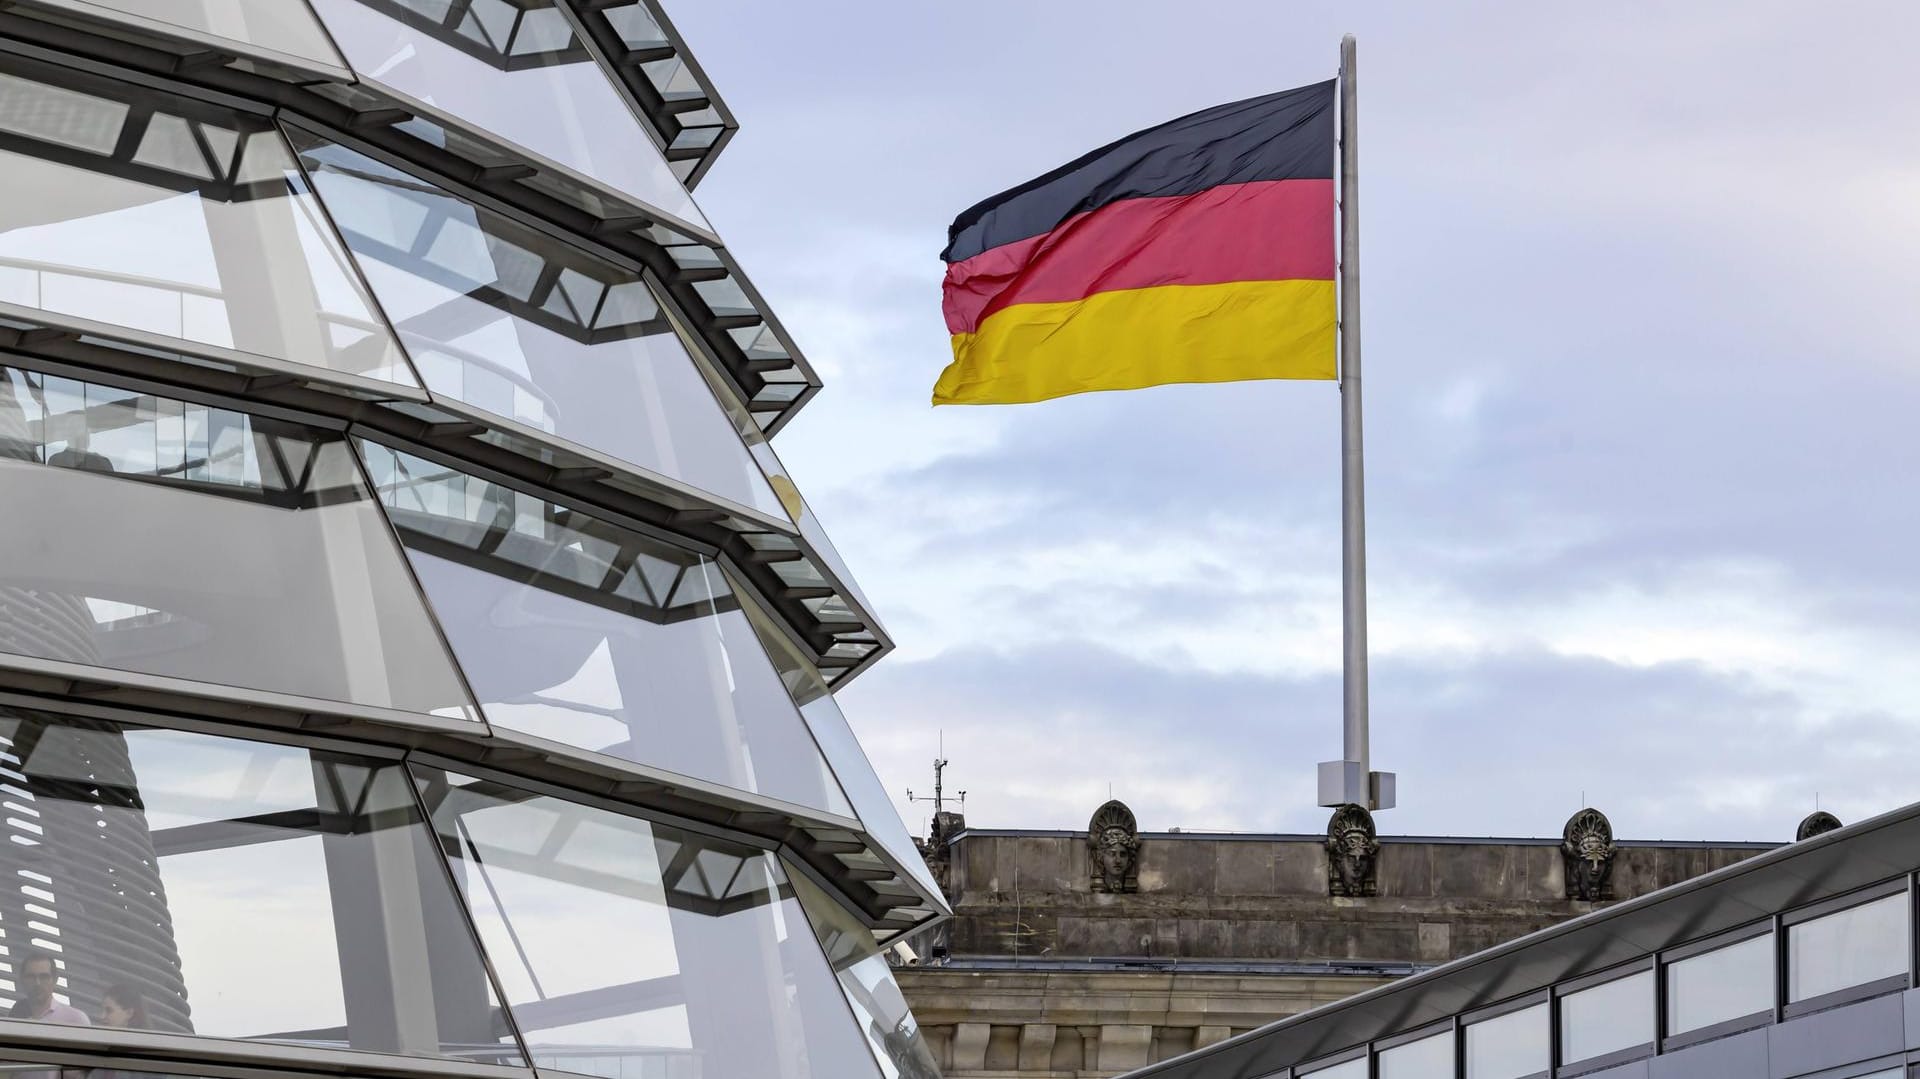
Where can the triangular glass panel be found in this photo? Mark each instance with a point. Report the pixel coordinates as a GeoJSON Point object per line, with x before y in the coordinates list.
{"type": "Point", "coordinates": [167, 867]}
{"type": "Point", "coordinates": [261, 564]}
{"type": "Point", "coordinates": [644, 962]}
{"type": "Point", "coordinates": [474, 313]}
{"type": "Point", "coordinates": [265, 29]}
{"type": "Point", "coordinates": [151, 244]}
{"type": "Point", "coordinates": [168, 144]}
{"type": "Point", "coordinates": [586, 660]}
{"type": "Point", "coordinates": [879, 1007]}
{"type": "Point", "coordinates": [842, 750]}
{"type": "Point", "coordinates": [548, 97]}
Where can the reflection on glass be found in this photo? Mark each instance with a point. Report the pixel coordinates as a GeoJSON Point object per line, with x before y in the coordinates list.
{"type": "Point", "coordinates": [829, 725]}
{"type": "Point", "coordinates": [628, 948]}
{"type": "Point", "coordinates": [878, 1005]}
{"type": "Point", "coordinates": [177, 539]}
{"type": "Point", "coordinates": [1721, 985]}
{"type": "Point", "coordinates": [513, 322]}
{"type": "Point", "coordinates": [1428, 1058]}
{"type": "Point", "coordinates": [1852, 947]}
{"type": "Point", "coordinates": [189, 223]}
{"type": "Point", "coordinates": [582, 632]}
{"type": "Point", "coordinates": [1352, 1069]}
{"type": "Point", "coordinates": [272, 25]}
{"type": "Point", "coordinates": [191, 884]}
{"type": "Point", "coordinates": [1510, 1046]}
{"type": "Point", "coordinates": [1607, 1018]}
{"type": "Point", "coordinates": [514, 70]}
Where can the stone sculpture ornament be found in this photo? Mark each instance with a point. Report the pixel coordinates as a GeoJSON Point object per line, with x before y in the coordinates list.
{"type": "Point", "coordinates": [1353, 849]}
{"type": "Point", "coordinates": [937, 850]}
{"type": "Point", "coordinates": [1586, 848]}
{"type": "Point", "coordinates": [1113, 849]}
{"type": "Point", "coordinates": [1816, 823]}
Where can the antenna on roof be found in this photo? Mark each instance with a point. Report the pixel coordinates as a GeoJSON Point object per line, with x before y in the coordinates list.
{"type": "Point", "coordinates": [939, 791]}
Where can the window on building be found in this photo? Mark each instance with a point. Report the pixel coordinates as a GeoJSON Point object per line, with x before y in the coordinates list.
{"type": "Point", "coordinates": [184, 883]}
{"type": "Point", "coordinates": [1608, 1018]}
{"type": "Point", "coordinates": [1428, 1058]}
{"type": "Point", "coordinates": [1352, 1069]}
{"type": "Point", "coordinates": [1850, 947]}
{"type": "Point", "coordinates": [1721, 985]}
{"type": "Point", "coordinates": [1509, 1046]}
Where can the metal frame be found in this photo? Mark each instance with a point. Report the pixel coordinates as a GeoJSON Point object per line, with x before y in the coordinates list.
{"type": "Point", "coordinates": [1655, 961]}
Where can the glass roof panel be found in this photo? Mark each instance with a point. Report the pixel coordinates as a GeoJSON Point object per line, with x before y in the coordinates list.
{"type": "Point", "coordinates": [649, 952]}
{"type": "Point", "coordinates": [170, 538]}
{"type": "Point", "coordinates": [879, 1007]}
{"type": "Point", "coordinates": [190, 874]}
{"type": "Point", "coordinates": [539, 89]}
{"type": "Point", "coordinates": [272, 26]}
{"type": "Point", "coordinates": [843, 752]}
{"type": "Point", "coordinates": [538, 332]}
{"type": "Point", "coordinates": [581, 632]}
{"type": "Point", "coordinates": [124, 218]}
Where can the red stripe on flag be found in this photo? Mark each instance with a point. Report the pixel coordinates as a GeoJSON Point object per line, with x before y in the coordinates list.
{"type": "Point", "coordinates": [1273, 230]}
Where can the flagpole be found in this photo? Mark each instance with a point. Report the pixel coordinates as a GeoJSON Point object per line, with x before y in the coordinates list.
{"type": "Point", "coordinates": [1351, 779]}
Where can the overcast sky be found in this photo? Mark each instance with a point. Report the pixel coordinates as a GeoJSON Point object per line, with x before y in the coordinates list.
{"type": "Point", "coordinates": [1642, 400]}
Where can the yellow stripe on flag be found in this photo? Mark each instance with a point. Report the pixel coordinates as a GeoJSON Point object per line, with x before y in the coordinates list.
{"type": "Point", "coordinates": [1127, 339]}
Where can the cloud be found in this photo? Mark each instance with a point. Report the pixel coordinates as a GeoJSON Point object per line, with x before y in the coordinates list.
{"type": "Point", "coordinates": [1641, 367]}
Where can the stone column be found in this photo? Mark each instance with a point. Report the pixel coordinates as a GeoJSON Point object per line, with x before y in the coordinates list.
{"type": "Point", "coordinates": [1125, 1046]}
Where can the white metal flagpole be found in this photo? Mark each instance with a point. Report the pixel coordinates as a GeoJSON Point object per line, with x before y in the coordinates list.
{"type": "Point", "coordinates": [1351, 779]}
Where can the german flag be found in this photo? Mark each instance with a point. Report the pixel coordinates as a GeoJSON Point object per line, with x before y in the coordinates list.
{"type": "Point", "coordinates": [1201, 250]}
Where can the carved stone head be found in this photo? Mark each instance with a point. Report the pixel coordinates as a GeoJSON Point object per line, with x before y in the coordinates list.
{"type": "Point", "coordinates": [1586, 853]}
{"type": "Point", "coordinates": [1113, 849]}
{"type": "Point", "coordinates": [937, 849]}
{"type": "Point", "coordinates": [1816, 823]}
{"type": "Point", "coordinates": [1353, 848]}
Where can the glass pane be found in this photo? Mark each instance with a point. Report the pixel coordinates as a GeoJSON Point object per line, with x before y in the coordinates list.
{"type": "Point", "coordinates": [1510, 1046]}
{"type": "Point", "coordinates": [829, 725]}
{"type": "Point", "coordinates": [1607, 1018]}
{"type": "Point", "coordinates": [1352, 1069]}
{"type": "Point", "coordinates": [170, 538]}
{"type": "Point", "coordinates": [802, 516]}
{"type": "Point", "coordinates": [273, 25]}
{"type": "Point", "coordinates": [513, 322]}
{"type": "Point", "coordinates": [878, 1006]}
{"type": "Point", "coordinates": [1720, 985]}
{"type": "Point", "coordinates": [1852, 947]}
{"type": "Point", "coordinates": [555, 102]}
{"type": "Point", "coordinates": [628, 948]}
{"type": "Point", "coordinates": [193, 884]}
{"type": "Point", "coordinates": [578, 631]}
{"type": "Point", "coordinates": [193, 225]}
{"type": "Point", "coordinates": [1428, 1058]}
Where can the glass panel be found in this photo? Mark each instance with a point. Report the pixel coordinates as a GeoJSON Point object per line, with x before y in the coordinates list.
{"type": "Point", "coordinates": [878, 1006]}
{"type": "Point", "coordinates": [1428, 1058]}
{"type": "Point", "coordinates": [1720, 985]}
{"type": "Point", "coordinates": [170, 538]}
{"type": "Point", "coordinates": [576, 630]}
{"type": "Point", "coordinates": [557, 103]}
{"type": "Point", "coordinates": [628, 948]}
{"type": "Point", "coordinates": [1852, 947]}
{"type": "Point", "coordinates": [802, 516]}
{"type": "Point", "coordinates": [829, 725]}
{"type": "Point", "coordinates": [510, 321]}
{"type": "Point", "coordinates": [273, 25]}
{"type": "Point", "coordinates": [192, 884]}
{"type": "Point", "coordinates": [191, 223]}
{"type": "Point", "coordinates": [1352, 1069]}
{"type": "Point", "coordinates": [1510, 1046]}
{"type": "Point", "coordinates": [1607, 1018]}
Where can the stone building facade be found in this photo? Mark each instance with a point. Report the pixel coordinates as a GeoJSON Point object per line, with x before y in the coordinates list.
{"type": "Point", "coordinates": [1065, 960]}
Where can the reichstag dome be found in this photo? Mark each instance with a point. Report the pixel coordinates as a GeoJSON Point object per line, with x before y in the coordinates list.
{"type": "Point", "coordinates": [414, 659]}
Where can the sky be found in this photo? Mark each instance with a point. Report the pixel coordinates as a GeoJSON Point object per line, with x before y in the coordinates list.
{"type": "Point", "coordinates": [1642, 387]}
